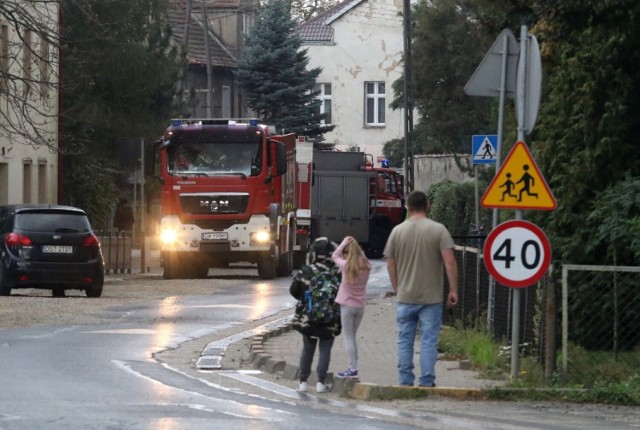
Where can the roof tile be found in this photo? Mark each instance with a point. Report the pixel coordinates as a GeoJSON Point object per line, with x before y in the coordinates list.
{"type": "Point", "coordinates": [196, 52]}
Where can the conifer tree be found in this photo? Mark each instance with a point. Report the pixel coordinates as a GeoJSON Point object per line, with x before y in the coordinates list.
{"type": "Point", "coordinates": [273, 72]}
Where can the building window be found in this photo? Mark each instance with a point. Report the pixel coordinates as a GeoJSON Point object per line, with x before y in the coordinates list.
{"type": "Point", "coordinates": [26, 60]}
{"type": "Point", "coordinates": [26, 182]}
{"type": "Point", "coordinates": [42, 183]}
{"type": "Point", "coordinates": [44, 67]}
{"type": "Point", "coordinates": [4, 57]}
{"type": "Point", "coordinates": [247, 23]}
{"type": "Point", "coordinates": [4, 183]}
{"type": "Point", "coordinates": [226, 101]}
{"type": "Point", "coordinates": [324, 95]}
{"type": "Point", "coordinates": [375, 104]}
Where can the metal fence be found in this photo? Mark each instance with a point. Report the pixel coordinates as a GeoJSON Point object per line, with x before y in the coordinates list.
{"type": "Point", "coordinates": [116, 250]}
{"type": "Point", "coordinates": [600, 324]}
{"type": "Point", "coordinates": [599, 310]}
{"type": "Point", "coordinates": [480, 306]}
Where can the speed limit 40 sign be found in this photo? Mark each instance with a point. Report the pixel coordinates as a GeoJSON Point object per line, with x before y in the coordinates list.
{"type": "Point", "coordinates": [517, 253]}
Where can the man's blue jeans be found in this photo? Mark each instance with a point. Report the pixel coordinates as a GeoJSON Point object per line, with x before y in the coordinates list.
{"type": "Point", "coordinates": [430, 318]}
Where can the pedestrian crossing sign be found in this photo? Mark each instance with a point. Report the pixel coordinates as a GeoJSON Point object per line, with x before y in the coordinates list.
{"type": "Point", "coordinates": [519, 184]}
{"type": "Point", "coordinates": [484, 148]}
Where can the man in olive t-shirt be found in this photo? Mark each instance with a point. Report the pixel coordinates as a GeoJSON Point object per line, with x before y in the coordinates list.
{"type": "Point", "coordinates": [417, 251]}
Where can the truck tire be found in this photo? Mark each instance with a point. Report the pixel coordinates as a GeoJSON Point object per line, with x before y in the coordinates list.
{"type": "Point", "coordinates": [285, 261]}
{"type": "Point", "coordinates": [285, 264]}
{"type": "Point", "coordinates": [266, 266]}
{"type": "Point", "coordinates": [377, 242]}
{"type": "Point", "coordinates": [171, 267]}
{"type": "Point", "coordinates": [192, 266]}
{"type": "Point", "coordinates": [299, 259]}
{"type": "Point", "coordinates": [199, 270]}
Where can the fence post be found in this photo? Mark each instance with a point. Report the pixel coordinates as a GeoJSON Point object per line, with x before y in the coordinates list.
{"type": "Point", "coordinates": [550, 331]}
{"type": "Point", "coordinates": [565, 321]}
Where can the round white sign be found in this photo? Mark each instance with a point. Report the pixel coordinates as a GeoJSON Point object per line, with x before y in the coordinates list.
{"type": "Point", "coordinates": [517, 253]}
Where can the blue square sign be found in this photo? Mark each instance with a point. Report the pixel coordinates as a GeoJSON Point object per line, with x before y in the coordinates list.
{"type": "Point", "coordinates": [484, 148]}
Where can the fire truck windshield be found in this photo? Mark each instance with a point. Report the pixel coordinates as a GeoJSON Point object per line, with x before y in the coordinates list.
{"type": "Point", "coordinates": [211, 159]}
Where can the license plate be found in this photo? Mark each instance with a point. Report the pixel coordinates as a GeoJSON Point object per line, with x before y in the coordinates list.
{"type": "Point", "coordinates": [57, 249]}
{"type": "Point", "coordinates": [216, 235]}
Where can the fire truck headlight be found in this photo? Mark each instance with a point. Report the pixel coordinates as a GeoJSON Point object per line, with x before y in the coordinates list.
{"type": "Point", "coordinates": [168, 236]}
{"type": "Point", "coordinates": [259, 238]}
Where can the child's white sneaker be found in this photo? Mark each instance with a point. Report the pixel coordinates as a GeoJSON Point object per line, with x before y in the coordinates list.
{"type": "Point", "coordinates": [322, 388]}
{"type": "Point", "coordinates": [303, 387]}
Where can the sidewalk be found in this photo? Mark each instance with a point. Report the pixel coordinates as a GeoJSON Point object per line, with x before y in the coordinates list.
{"type": "Point", "coordinates": [279, 352]}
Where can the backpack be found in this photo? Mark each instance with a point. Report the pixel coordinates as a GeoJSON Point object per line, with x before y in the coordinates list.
{"type": "Point", "coordinates": [317, 313]}
{"type": "Point", "coordinates": [319, 299]}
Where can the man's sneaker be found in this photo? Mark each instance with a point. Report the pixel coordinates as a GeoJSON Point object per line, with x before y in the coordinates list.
{"type": "Point", "coordinates": [322, 388]}
{"type": "Point", "coordinates": [348, 374]}
{"type": "Point", "coordinates": [303, 387]}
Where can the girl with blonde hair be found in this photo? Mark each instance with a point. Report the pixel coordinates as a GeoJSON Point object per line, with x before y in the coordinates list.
{"type": "Point", "coordinates": [352, 297]}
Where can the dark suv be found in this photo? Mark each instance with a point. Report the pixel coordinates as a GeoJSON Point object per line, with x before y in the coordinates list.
{"type": "Point", "coordinates": [49, 247]}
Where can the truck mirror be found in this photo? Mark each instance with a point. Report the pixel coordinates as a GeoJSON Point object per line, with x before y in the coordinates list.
{"type": "Point", "coordinates": [281, 158]}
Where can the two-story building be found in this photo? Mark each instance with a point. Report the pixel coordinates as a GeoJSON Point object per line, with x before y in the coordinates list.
{"type": "Point", "coordinates": [359, 46]}
{"type": "Point", "coordinates": [29, 107]}
{"type": "Point", "coordinates": [214, 34]}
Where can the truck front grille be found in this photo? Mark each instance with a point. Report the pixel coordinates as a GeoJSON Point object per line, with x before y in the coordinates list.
{"type": "Point", "coordinates": [200, 204]}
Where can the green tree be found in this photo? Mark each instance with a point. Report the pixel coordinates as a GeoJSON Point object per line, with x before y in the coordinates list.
{"type": "Point", "coordinates": [120, 76]}
{"type": "Point", "coordinates": [585, 139]}
{"type": "Point", "coordinates": [448, 44]}
{"type": "Point", "coordinates": [273, 72]}
{"type": "Point", "coordinates": [453, 205]}
{"type": "Point", "coordinates": [303, 10]}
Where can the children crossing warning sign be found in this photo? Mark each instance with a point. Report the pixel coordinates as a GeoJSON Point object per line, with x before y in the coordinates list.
{"type": "Point", "coordinates": [519, 184]}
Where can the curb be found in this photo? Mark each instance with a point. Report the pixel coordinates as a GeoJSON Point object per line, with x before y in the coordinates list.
{"type": "Point", "coordinates": [351, 389]}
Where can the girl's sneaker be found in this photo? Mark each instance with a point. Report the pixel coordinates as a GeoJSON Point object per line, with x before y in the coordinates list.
{"type": "Point", "coordinates": [322, 388]}
{"type": "Point", "coordinates": [348, 374]}
{"type": "Point", "coordinates": [303, 387]}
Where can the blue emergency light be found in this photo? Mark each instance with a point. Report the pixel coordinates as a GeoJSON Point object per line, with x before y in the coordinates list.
{"type": "Point", "coordinates": [176, 122]}
{"type": "Point", "coordinates": [254, 121]}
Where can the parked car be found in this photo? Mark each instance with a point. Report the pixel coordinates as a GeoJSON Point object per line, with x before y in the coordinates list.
{"type": "Point", "coordinates": [49, 247]}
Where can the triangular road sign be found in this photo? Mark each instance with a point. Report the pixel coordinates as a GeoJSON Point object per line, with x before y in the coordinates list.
{"type": "Point", "coordinates": [519, 184]}
{"type": "Point", "coordinates": [487, 78]}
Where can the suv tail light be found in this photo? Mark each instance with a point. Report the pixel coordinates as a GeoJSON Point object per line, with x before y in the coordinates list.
{"type": "Point", "coordinates": [91, 242]}
{"type": "Point", "coordinates": [15, 239]}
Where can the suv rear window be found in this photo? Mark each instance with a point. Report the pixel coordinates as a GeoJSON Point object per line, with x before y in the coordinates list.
{"type": "Point", "coordinates": [52, 222]}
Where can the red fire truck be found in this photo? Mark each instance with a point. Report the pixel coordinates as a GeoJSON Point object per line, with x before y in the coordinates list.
{"type": "Point", "coordinates": [233, 190]}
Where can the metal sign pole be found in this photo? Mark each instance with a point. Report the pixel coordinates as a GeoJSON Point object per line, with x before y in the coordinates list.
{"type": "Point", "coordinates": [521, 108]}
{"type": "Point", "coordinates": [143, 262]}
{"type": "Point", "coordinates": [501, 99]}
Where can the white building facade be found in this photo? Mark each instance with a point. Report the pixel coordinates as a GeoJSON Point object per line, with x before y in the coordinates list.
{"type": "Point", "coordinates": [29, 107]}
{"type": "Point", "coordinates": [359, 46]}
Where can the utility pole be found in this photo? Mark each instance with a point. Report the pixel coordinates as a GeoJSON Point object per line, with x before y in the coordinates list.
{"type": "Point", "coordinates": [205, 18]}
{"type": "Point", "coordinates": [408, 100]}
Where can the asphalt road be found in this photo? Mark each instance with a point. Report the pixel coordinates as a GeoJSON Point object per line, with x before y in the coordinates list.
{"type": "Point", "coordinates": [126, 361]}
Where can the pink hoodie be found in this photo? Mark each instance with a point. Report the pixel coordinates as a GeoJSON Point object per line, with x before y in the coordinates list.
{"type": "Point", "coordinates": [354, 295]}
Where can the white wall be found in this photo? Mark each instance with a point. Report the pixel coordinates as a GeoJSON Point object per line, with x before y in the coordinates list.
{"type": "Point", "coordinates": [432, 169]}
{"type": "Point", "coordinates": [368, 47]}
{"type": "Point", "coordinates": [18, 151]}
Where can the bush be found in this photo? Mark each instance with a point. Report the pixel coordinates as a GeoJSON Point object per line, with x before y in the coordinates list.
{"type": "Point", "coordinates": [453, 205]}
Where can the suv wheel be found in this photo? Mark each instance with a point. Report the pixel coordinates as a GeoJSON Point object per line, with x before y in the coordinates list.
{"type": "Point", "coordinates": [5, 290]}
{"type": "Point", "coordinates": [94, 291]}
{"type": "Point", "coordinates": [57, 292]}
